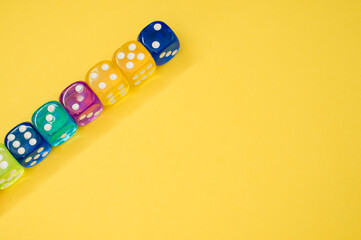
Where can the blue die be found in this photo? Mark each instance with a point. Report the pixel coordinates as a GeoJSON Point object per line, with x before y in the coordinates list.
{"type": "Point", "coordinates": [160, 41]}
{"type": "Point", "coordinates": [26, 144]}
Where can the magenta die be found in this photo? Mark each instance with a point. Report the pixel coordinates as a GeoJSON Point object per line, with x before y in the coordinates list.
{"type": "Point", "coordinates": [81, 103]}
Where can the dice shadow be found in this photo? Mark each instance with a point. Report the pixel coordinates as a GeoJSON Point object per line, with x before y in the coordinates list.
{"type": "Point", "coordinates": [85, 137]}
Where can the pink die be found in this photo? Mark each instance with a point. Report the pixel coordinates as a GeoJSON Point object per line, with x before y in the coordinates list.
{"type": "Point", "coordinates": [81, 103]}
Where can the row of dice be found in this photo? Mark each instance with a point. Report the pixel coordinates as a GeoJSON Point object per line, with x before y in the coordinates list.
{"type": "Point", "coordinates": [82, 102]}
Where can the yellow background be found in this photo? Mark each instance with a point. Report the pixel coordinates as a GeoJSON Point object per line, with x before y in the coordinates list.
{"type": "Point", "coordinates": [253, 131]}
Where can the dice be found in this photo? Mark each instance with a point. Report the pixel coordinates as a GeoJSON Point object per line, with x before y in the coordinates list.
{"type": "Point", "coordinates": [160, 41]}
{"type": "Point", "coordinates": [81, 103]}
{"type": "Point", "coordinates": [135, 62]}
{"type": "Point", "coordinates": [108, 82]}
{"type": "Point", "coordinates": [10, 169]}
{"type": "Point", "coordinates": [54, 123]}
{"type": "Point", "coordinates": [26, 144]}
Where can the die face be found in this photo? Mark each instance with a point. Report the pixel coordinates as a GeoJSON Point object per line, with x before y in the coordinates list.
{"type": "Point", "coordinates": [54, 123]}
{"type": "Point", "coordinates": [26, 144]}
{"type": "Point", "coordinates": [135, 62]}
{"type": "Point", "coordinates": [81, 103]}
{"type": "Point", "coordinates": [107, 82]}
{"type": "Point", "coordinates": [160, 41]}
{"type": "Point", "coordinates": [10, 169]}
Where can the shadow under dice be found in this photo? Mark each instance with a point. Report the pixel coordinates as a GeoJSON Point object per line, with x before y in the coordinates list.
{"type": "Point", "coordinates": [10, 169]}
{"type": "Point", "coordinates": [160, 41]}
{"type": "Point", "coordinates": [54, 123]}
{"type": "Point", "coordinates": [108, 82]}
{"type": "Point", "coordinates": [26, 144]}
{"type": "Point", "coordinates": [135, 62]}
{"type": "Point", "coordinates": [81, 103]}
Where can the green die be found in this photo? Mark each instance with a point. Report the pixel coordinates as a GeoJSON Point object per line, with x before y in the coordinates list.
{"type": "Point", "coordinates": [10, 169]}
{"type": "Point", "coordinates": [54, 123]}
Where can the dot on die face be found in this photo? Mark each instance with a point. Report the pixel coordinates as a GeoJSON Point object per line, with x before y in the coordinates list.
{"type": "Point", "coordinates": [11, 137]}
{"type": "Point", "coordinates": [129, 65]}
{"type": "Point", "coordinates": [1, 157]}
{"type": "Point", "coordinates": [155, 44]}
{"type": "Point", "coordinates": [93, 75]}
{"type": "Point", "coordinates": [82, 117]}
{"type": "Point", "coordinates": [3, 164]}
{"type": "Point", "coordinates": [113, 76]}
{"type": "Point", "coordinates": [49, 117]}
{"type": "Point", "coordinates": [131, 56]}
{"type": "Point", "coordinates": [32, 141]}
{"type": "Point", "coordinates": [27, 135]}
{"type": "Point", "coordinates": [79, 88]}
{"type": "Point", "coordinates": [22, 128]}
{"type": "Point", "coordinates": [174, 52]}
{"type": "Point", "coordinates": [102, 85]}
{"type": "Point", "coordinates": [51, 108]}
{"type": "Point", "coordinates": [16, 144]}
{"type": "Point", "coordinates": [47, 127]}
{"type": "Point", "coordinates": [21, 150]}
{"type": "Point", "coordinates": [105, 67]}
{"type": "Point", "coordinates": [75, 106]}
{"type": "Point", "coordinates": [157, 26]}
{"type": "Point", "coordinates": [162, 55]}
{"type": "Point", "coordinates": [140, 56]}
{"type": "Point", "coordinates": [132, 47]}
{"type": "Point", "coordinates": [120, 55]}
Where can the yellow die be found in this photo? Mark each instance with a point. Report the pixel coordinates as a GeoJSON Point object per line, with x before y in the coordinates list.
{"type": "Point", "coordinates": [108, 82]}
{"type": "Point", "coordinates": [135, 62]}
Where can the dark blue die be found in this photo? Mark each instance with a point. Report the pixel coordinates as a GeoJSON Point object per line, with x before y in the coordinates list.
{"type": "Point", "coordinates": [160, 41]}
{"type": "Point", "coordinates": [26, 144]}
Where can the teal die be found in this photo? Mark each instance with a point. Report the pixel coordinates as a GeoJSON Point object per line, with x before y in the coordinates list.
{"type": "Point", "coordinates": [54, 123]}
